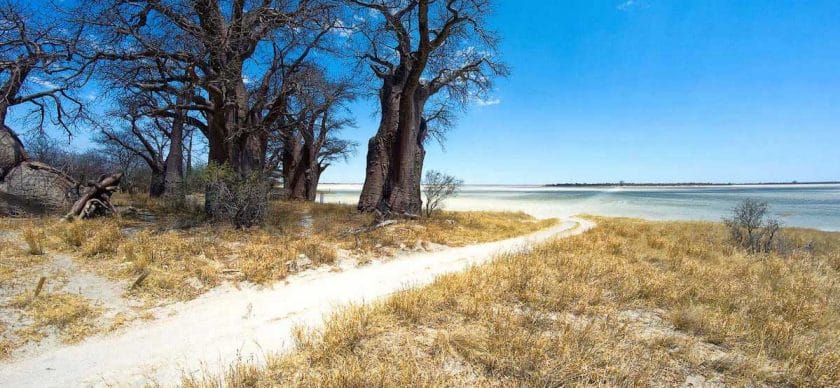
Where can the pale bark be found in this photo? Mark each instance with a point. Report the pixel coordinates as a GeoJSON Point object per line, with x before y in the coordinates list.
{"type": "Point", "coordinates": [28, 187]}
{"type": "Point", "coordinates": [174, 164]}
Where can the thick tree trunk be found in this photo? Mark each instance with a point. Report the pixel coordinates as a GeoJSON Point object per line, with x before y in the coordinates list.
{"type": "Point", "coordinates": [247, 153]}
{"type": "Point", "coordinates": [292, 174]}
{"type": "Point", "coordinates": [402, 189]}
{"type": "Point", "coordinates": [395, 156]}
{"type": "Point", "coordinates": [174, 164]}
{"type": "Point", "coordinates": [158, 184]}
{"type": "Point", "coordinates": [301, 171]}
{"type": "Point", "coordinates": [379, 150]}
{"type": "Point", "coordinates": [233, 136]}
{"type": "Point", "coordinates": [312, 178]}
{"type": "Point", "coordinates": [12, 152]}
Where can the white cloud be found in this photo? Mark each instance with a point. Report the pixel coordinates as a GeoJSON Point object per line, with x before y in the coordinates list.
{"type": "Point", "coordinates": [342, 29]}
{"type": "Point", "coordinates": [488, 101]}
{"type": "Point", "coordinates": [630, 4]}
{"type": "Point", "coordinates": [45, 83]}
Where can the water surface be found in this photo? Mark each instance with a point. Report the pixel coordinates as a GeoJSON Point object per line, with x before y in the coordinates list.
{"type": "Point", "coordinates": [810, 206]}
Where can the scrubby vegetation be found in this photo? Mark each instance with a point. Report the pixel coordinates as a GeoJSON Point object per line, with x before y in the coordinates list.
{"type": "Point", "coordinates": [437, 187]}
{"type": "Point", "coordinates": [629, 303]}
{"type": "Point", "coordinates": [751, 227]}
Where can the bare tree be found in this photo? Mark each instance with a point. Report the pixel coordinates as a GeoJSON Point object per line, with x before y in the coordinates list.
{"type": "Point", "coordinates": [309, 143]}
{"type": "Point", "coordinates": [439, 186]}
{"type": "Point", "coordinates": [429, 56]}
{"type": "Point", "coordinates": [156, 139]}
{"type": "Point", "coordinates": [132, 166]}
{"type": "Point", "coordinates": [234, 52]}
{"type": "Point", "coordinates": [146, 140]}
{"type": "Point", "coordinates": [42, 63]}
{"type": "Point", "coordinates": [751, 227]}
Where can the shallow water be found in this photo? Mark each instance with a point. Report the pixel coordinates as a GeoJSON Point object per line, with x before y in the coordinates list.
{"type": "Point", "coordinates": [810, 206]}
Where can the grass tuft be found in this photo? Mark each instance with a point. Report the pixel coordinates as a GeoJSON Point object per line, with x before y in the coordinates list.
{"type": "Point", "coordinates": [35, 239]}
{"type": "Point", "coordinates": [71, 314]}
{"type": "Point", "coordinates": [72, 233]}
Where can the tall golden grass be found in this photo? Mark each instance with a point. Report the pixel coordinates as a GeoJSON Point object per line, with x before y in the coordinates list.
{"type": "Point", "coordinates": [629, 303]}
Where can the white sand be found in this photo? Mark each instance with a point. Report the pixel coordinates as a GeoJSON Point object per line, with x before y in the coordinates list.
{"type": "Point", "coordinates": [226, 324]}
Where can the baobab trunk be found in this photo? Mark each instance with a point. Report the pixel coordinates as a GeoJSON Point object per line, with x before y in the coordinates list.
{"type": "Point", "coordinates": [301, 170]}
{"type": "Point", "coordinates": [157, 186]}
{"type": "Point", "coordinates": [402, 189]}
{"type": "Point", "coordinates": [395, 157]}
{"type": "Point", "coordinates": [242, 149]}
{"type": "Point", "coordinates": [174, 163]}
{"type": "Point", "coordinates": [234, 135]}
{"type": "Point", "coordinates": [379, 150]}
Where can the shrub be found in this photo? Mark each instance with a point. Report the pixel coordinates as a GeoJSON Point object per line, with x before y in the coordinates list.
{"type": "Point", "coordinates": [752, 228]}
{"type": "Point", "coordinates": [230, 198]}
{"type": "Point", "coordinates": [439, 186]}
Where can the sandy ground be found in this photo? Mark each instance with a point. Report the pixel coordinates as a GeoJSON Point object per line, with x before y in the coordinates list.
{"type": "Point", "coordinates": [229, 324]}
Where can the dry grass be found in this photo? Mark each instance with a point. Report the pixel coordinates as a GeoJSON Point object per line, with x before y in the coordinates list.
{"type": "Point", "coordinates": [628, 303]}
{"type": "Point", "coordinates": [182, 263]}
{"type": "Point", "coordinates": [178, 256]}
{"type": "Point", "coordinates": [333, 221]}
{"type": "Point", "coordinates": [35, 240]}
{"type": "Point", "coordinates": [456, 229]}
{"type": "Point", "coordinates": [70, 314]}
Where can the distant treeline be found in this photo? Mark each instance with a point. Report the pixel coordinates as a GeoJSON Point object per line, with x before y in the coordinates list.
{"type": "Point", "coordinates": [630, 184]}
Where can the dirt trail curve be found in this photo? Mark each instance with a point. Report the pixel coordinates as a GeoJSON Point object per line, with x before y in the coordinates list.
{"type": "Point", "coordinates": [225, 324]}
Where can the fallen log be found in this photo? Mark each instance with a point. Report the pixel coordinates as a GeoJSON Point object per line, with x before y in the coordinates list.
{"type": "Point", "coordinates": [28, 187]}
{"type": "Point", "coordinates": [95, 201]}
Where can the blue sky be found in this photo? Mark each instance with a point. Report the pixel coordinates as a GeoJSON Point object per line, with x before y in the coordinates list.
{"type": "Point", "coordinates": [648, 91]}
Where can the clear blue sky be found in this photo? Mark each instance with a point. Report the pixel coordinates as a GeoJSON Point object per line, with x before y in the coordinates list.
{"type": "Point", "coordinates": [650, 90]}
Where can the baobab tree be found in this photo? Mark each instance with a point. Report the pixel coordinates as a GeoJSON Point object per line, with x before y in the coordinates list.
{"type": "Point", "coordinates": [308, 143]}
{"type": "Point", "coordinates": [153, 134]}
{"type": "Point", "coordinates": [429, 57]}
{"type": "Point", "coordinates": [231, 51]}
{"type": "Point", "coordinates": [147, 139]}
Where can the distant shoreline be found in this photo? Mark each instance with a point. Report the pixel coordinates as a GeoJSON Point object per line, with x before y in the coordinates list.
{"type": "Point", "coordinates": [683, 184]}
{"type": "Point", "coordinates": [686, 184]}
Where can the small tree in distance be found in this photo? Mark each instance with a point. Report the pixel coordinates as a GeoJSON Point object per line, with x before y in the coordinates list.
{"type": "Point", "coordinates": [751, 227]}
{"type": "Point", "coordinates": [438, 186]}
